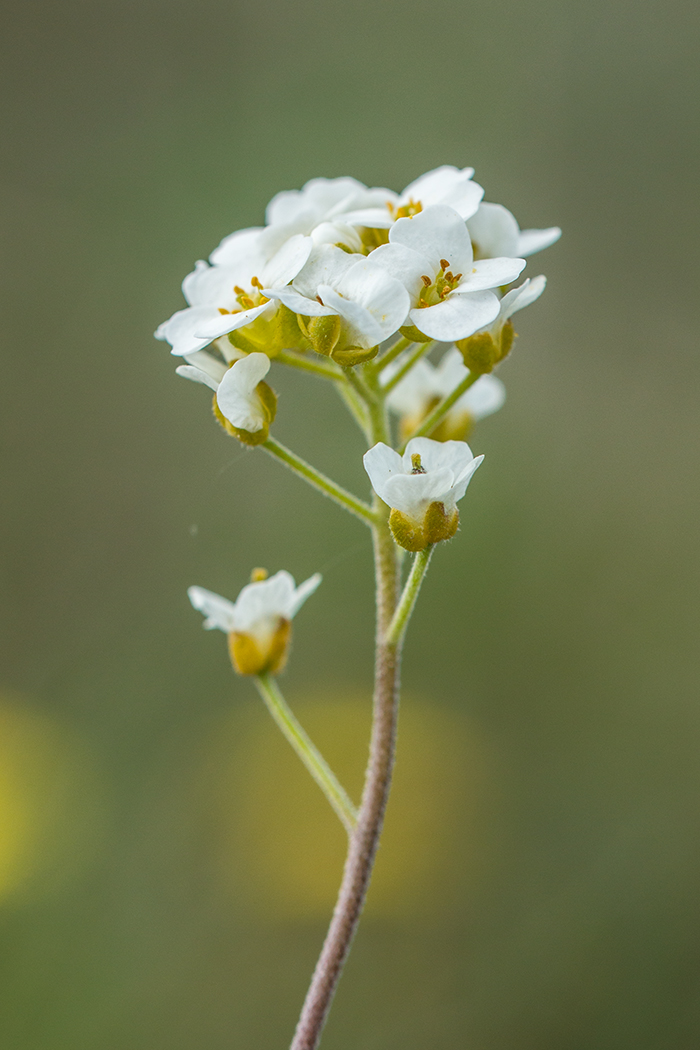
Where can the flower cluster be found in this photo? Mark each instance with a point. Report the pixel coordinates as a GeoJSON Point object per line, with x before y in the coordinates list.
{"type": "Point", "coordinates": [359, 284]}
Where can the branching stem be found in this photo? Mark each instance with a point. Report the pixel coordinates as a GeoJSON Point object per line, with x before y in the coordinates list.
{"type": "Point", "coordinates": [420, 351]}
{"type": "Point", "coordinates": [307, 751]}
{"type": "Point", "coordinates": [319, 481]}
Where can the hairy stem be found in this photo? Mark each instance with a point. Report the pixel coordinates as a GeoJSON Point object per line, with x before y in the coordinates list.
{"type": "Point", "coordinates": [365, 838]}
{"type": "Point", "coordinates": [296, 360]}
{"type": "Point", "coordinates": [307, 751]}
{"type": "Point", "coordinates": [319, 481]}
{"type": "Point", "coordinates": [440, 411]}
{"type": "Point", "coordinates": [404, 609]}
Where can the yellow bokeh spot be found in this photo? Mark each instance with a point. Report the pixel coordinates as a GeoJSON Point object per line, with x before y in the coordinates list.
{"type": "Point", "coordinates": [49, 808]}
{"type": "Point", "coordinates": [280, 848]}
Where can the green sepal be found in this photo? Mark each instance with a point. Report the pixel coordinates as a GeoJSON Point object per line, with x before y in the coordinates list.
{"type": "Point", "coordinates": [324, 333]}
{"type": "Point", "coordinates": [437, 525]}
{"type": "Point", "coordinates": [409, 331]}
{"type": "Point", "coordinates": [354, 355]}
{"type": "Point", "coordinates": [480, 352]}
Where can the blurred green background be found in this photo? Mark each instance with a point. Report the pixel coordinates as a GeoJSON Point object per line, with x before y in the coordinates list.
{"type": "Point", "coordinates": [166, 873]}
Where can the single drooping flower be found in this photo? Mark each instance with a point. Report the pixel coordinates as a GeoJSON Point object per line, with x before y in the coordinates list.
{"type": "Point", "coordinates": [259, 624]}
{"type": "Point", "coordinates": [495, 232]}
{"type": "Point", "coordinates": [422, 487]}
{"type": "Point", "coordinates": [422, 389]}
{"type": "Point", "coordinates": [485, 349]}
{"type": "Point", "coordinates": [445, 185]}
{"type": "Point", "coordinates": [243, 403]}
{"type": "Point", "coordinates": [345, 304]}
{"type": "Point", "coordinates": [451, 292]}
{"type": "Point", "coordinates": [227, 297]}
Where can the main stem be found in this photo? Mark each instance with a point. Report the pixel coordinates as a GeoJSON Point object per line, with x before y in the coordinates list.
{"type": "Point", "coordinates": [365, 838]}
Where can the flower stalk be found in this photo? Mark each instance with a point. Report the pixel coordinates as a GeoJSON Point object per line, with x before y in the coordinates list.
{"type": "Point", "coordinates": [319, 481]}
{"type": "Point", "coordinates": [307, 751]}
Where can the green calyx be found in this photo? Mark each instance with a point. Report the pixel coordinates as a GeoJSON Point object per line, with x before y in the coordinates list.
{"type": "Point", "coordinates": [481, 352]}
{"type": "Point", "coordinates": [437, 525]}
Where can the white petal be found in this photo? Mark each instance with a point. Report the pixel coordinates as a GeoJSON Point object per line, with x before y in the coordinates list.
{"type": "Point", "coordinates": [197, 376]}
{"type": "Point", "coordinates": [372, 218]}
{"type": "Point", "coordinates": [446, 185]}
{"type": "Point", "coordinates": [490, 273]}
{"type": "Point", "coordinates": [221, 324]}
{"type": "Point", "coordinates": [214, 368]}
{"type": "Point", "coordinates": [321, 197]}
{"type": "Point", "coordinates": [413, 493]}
{"type": "Point", "coordinates": [237, 397]}
{"type": "Point", "coordinates": [518, 298]}
{"type": "Point", "coordinates": [326, 265]}
{"type": "Point", "coordinates": [337, 233]}
{"type": "Point", "coordinates": [181, 329]}
{"type": "Point", "coordinates": [406, 265]}
{"type": "Point", "coordinates": [365, 331]}
{"type": "Point", "coordinates": [219, 611]}
{"type": "Point", "coordinates": [287, 262]}
{"type": "Point", "coordinates": [438, 455]}
{"type": "Point", "coordinates": [381, 463]}
{"type": "Point", "coordinates": [531, 241]}
{"type": "Point", "coordinates": [383, 296]}
{"type": "Point", "coordinates": [299, 304]}
{"type": "Point", "coordinates": [494, 231]}
{"type": "Point", "coordinates": [457, 317]}
{"type": "Point", "coordinates": [304, 591]}
{"type": "Point", "coordinates": [438, 233]}
{"type": "Point", "coordinates": [460, 485]}
{"type": "Point", "coordinates": [241, 248]}
{"type": "Point", "coordinates": [450, 372]}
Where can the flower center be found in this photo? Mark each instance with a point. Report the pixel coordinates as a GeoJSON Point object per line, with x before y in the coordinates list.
{"type": "Point", "coordinates": [418, 467]}
{"type": "Point", "coordinates": [406, 211]}
{"type": "Point", "coordinates": [434, 291]}
{"type": "Point", "coordinates": [247, 300]}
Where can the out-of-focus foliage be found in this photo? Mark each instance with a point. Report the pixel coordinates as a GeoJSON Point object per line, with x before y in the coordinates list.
{"type": "Point", "coordinates": [165, 869]}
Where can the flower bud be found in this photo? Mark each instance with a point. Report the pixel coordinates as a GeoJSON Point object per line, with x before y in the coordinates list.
{"type": "Point", "coordinates": [480, 352]}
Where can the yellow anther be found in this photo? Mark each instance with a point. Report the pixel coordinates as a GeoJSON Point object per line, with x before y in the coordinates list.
{"type": "Point", "coordinates": [445, 264]}
{"type": "Point", "coordinates": [418, 467]}
{"type": "Point", "coordinates": [238, 290]}
{"type": "Point", "coordinates": [258, 575]}
{"type": "Point", "coordinates": [426, 281]}
{"type": "Point", "coordinates": [255, 281]}
{"type": "Point", "coordinates": [223, 311]}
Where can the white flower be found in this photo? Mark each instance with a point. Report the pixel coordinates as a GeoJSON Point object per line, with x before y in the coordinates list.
{"type": "Point", "coordinates": [258, 624]}
{"type": "Point", "coordinates": [492, 344]}
{"type": "Point", "coordinates": [494, 231]}
{"type": "Point", "coordinates": [422, 487]}
{"type": "Point", "coordinates": [431, 254]}
{"type": "Point", "coordinates": [368, 304]}
{"type": "Point", "coordinates": [445, 185]}
{"type": "Point", "coordinates": [426, 385]}
{"type": "Point", "coordinates": [228, 295]}
{"type": "Point", "coordinates": [243, 400]}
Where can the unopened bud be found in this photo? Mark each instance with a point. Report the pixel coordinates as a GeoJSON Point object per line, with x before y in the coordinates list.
{"type": "Point", "coordinates": [480, 352]}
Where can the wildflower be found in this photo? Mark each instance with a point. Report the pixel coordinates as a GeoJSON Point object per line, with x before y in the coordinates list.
{"type": "Point", "coordinates": [259, 624]}
{"type": "Point", "coordinates": [345, 304]}
{"type": "Point", "coordinates": [226, 297]}
{"type": "Point", "coordinates": [494, 232]}
{"type": "Point", "coordinates": [483, 350]}
{"type": "Point", "coordinates": [422, 389]}
{"type": "Point", "coordinates": [243, 404]}
{"type": "Point", "coordinates": [422, 487]}
{"type": "Point", "coordinates": [451, 295]}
